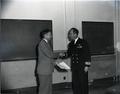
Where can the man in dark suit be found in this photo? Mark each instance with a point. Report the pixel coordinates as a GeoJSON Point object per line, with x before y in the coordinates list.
{"type": "Point", "coordinates": [45, 63]}
{"type": "Point", "coordinates": [78, 51]}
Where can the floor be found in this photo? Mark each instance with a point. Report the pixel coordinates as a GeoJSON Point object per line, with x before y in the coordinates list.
{"type": "Point", "coordinates": [106, 89]}
{"type": "Point", "coordinates": [99, 88]}
{"type": "Point", "coordinates": [112, 89]}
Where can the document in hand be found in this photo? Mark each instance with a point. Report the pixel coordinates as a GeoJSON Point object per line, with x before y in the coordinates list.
{"type": "Point", "coordinates": [118, 46]}
{"type": "Point", "coordinates": [63, 65]}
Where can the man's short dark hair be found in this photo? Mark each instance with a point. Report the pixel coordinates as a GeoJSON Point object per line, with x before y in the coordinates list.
{"type": "Point", "coordinates": [75, 31]}
{"type": "Point", "coordinates": [42, 33]}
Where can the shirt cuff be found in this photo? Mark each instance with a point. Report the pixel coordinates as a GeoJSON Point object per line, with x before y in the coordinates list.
{"type": "Point", "coordinates": [87, 64]}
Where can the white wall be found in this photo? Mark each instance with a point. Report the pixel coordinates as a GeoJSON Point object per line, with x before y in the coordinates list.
{"type": "Point", "coordinates": [18, 74]}
{"type": "Point", "coordinates": [118, 34]}
{"type": "Point", "coordinates": [69, 16]}
{"type": "Point", "coordinates": [119, 38]}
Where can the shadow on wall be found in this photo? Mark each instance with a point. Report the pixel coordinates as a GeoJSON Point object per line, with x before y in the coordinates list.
{"type": "Point", "coordinates": [4, 3]}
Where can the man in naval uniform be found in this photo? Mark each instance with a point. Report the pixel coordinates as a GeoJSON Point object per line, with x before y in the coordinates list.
{"type": "Point", "coordinates": [78, 51]}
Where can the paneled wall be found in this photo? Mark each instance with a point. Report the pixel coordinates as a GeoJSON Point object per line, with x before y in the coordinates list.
{"type": "Point", "coordinates": [118, 34]}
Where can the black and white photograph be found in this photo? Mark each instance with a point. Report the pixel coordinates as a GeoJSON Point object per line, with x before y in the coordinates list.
{"type": "Point", "coordinates": [60, 46]}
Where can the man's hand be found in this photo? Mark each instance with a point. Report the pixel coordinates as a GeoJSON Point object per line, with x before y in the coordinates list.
{"type": "Point", "coordinates": [62, 54]}
{"type": "Point", "coordinates": [86, 69]}
{"type": "Point", "coordinates": [58, 61]}
{"type": "Point", "coordinates": [88, 63]}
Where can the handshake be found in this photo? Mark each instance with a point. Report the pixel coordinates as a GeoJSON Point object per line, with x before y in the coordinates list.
{"type": "Point", "coordinates": [60, 62]}
{"type": "Point", "coordinates": [60, 57]}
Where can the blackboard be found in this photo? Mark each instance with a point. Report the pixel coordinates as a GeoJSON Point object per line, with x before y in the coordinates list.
{"type": "Point", "coordinates": [100, 37]}
{"type": "Point", "coordinates": [19, 38]}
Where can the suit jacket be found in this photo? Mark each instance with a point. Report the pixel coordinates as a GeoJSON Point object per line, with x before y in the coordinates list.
{"type": "Point", "coordinates": [45, 58]}
{"type": "Point", "coordinates": [79, 54]}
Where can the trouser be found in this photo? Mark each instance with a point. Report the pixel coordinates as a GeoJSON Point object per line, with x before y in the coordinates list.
{"type": "Point", "coordinates": [45, 84]}
{"type": "Point", "coordinates": [80, 82]}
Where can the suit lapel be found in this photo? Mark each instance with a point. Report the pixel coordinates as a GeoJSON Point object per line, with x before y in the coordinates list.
{"type": "Point", "coordinates": [48, 45]}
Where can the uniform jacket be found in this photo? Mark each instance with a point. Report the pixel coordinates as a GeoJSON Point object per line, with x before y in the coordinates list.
{"type": "Point", "coordinates": [45, 58]}
{"type": "Point", "coordinates": [79, 54]}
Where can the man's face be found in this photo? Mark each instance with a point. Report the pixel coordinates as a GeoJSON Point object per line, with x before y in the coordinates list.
{"type": "Point", "coordinates": [71, 35]}
{"type": "Point", "coordinates": [48, 36]}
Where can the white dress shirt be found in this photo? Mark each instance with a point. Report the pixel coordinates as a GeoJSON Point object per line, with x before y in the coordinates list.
{"type": "Point", "coordinates": [75, 40]}
{"type": "Point", "coordinates": [45, 40]}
